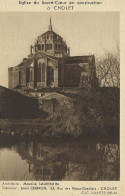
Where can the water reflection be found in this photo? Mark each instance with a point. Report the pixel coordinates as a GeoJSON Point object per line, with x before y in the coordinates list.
{"type": "Point", "coordinates": [34, 159]}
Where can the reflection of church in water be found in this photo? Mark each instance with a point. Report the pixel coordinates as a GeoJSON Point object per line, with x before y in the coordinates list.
{"type": "Point", "coordinates": [70, 161]}
{"type": "Point", "coordinates": [50, 65]}
{"type": "Point", "coordinates": [45, 162]}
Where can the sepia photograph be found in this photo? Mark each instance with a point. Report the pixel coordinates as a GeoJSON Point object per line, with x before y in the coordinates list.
{"type": "Point", "coordinates": [60, 96]}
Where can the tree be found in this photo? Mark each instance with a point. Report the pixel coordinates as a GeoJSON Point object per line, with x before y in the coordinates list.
{"type": "Point", "coordinates": [108, 69]}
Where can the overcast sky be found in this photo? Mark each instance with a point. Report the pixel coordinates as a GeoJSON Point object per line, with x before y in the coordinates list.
{"type": "Point", "coordinates": [85, 33]}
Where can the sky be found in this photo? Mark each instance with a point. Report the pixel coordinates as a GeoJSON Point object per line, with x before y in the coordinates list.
{"type": "Point", "coordinates": [84, 32]}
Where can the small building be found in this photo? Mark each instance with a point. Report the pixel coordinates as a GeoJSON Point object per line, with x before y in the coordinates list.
{"type": "Point", "coordinates": [50, 65]}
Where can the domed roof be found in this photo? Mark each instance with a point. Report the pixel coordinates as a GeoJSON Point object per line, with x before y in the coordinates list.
{"type": "Point", "coordinates": [50, 43]}
{"type": "Point", "coordinates": [51, 32]}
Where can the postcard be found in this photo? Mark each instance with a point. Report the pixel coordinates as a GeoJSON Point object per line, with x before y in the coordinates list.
{"type": "Point", "coordinates": [62, 97]}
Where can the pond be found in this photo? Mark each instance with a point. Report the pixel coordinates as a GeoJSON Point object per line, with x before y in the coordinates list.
{"type": "Point", "coordinates": [34, 158]}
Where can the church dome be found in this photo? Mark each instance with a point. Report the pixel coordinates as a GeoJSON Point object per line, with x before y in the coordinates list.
{"type": "Point", "coordinates": [51, 43]}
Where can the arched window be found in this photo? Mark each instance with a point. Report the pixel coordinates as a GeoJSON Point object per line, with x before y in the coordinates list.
{"type": "Point", "coordinates": [50, 46]}
{"type": "Point", "coordinates": [50, 75]}
{"type": "Point", "coordinates": [42, 46]}
{"type": "Point", "coordinates": [47, 46]}
{"type": "Point", "coordinates": [39, 73]}
{"type": "Point", "coordinates": [43, 72]}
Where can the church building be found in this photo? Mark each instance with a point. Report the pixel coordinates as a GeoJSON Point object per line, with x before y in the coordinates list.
{"type": "Point", "coordinates": [50, 65]}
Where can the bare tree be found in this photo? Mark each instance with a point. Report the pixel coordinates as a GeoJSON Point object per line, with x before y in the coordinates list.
{"type": "Point", "coordinates": [108, 69]}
